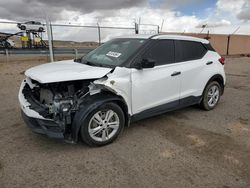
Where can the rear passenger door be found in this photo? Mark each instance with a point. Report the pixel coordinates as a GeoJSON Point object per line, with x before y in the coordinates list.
{"type": "Point", "coordinates": [190, 55]}
{"type": "Point", "coordinates": [153, 88]}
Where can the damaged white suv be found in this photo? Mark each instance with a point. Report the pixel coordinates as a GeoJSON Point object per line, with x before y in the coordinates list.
{"type": "Point", "coordinates": [124, 80]}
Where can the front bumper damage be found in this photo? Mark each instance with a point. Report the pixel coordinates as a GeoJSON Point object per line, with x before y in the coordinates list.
{"type": "Point", "coordinates": [43, 126]}
{"type": "Point", "coordinates": [31, 113]}
{"type": "Point", "coordinates": [54, 111]}
{"type": "Point", "coordinates": [52, 119]}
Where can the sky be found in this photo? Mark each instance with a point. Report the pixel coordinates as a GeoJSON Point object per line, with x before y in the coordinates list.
{"type": "Point", "coordinates": [219, 16]}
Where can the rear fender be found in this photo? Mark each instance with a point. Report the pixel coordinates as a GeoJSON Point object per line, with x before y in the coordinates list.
{"type": "Point", "coordinates": [219, 78]}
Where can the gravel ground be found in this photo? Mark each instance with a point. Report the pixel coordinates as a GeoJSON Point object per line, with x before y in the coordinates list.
{"type": "Point", "coordinates": [185, 148]}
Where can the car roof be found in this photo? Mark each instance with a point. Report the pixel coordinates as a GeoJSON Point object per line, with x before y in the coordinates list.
{"type": "Point", "coordinates": [139, 36]}
{"type": "Point", "coordinates": [32, 22]}
{"type": "Point", "coordinates": [181, 37]}
{"type": "Point", "coordinates": [173, 37]}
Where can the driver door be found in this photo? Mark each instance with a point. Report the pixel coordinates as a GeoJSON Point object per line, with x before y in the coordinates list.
{"type": "Point", "coordinates": [158, 88]}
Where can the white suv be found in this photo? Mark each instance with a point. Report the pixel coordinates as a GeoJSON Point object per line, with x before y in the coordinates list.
{"type": "Point", "coordinates": [122, 81]}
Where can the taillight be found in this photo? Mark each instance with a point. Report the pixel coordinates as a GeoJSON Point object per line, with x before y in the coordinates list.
{"type": "Point", "coordinates": [222, 60]}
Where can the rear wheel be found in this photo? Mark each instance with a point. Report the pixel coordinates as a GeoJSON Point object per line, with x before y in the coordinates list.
{"type": "Point", "coordinates": [103, 125]}
{"type": "Point", "coordinates": [211, 96]}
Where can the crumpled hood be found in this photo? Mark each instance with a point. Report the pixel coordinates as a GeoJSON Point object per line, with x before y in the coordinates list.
{"type": "Point", "coordinates": [65, 71]}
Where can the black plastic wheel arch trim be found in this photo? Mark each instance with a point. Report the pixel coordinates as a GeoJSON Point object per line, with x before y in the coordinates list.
{"type": "Point", "coordinates": [91, 103]}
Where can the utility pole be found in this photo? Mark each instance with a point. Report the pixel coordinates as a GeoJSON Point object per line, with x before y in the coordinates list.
{"type": "Point", "coordinates": [229, 38]}
{"type": "Point", "coordinates": [228, 43]}
{"type": "Point", "coordinates": [203, 27]}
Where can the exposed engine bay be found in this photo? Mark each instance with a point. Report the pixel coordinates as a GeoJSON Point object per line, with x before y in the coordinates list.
{"type": "Point", "coordinates": [58, 101]}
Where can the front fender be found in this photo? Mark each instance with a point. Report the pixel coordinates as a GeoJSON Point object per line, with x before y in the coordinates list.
{"type": "Point", "coordinates": [91, 103]}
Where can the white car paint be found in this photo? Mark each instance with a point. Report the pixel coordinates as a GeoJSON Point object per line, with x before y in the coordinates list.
{"type": "Point", "coordinates": [67, 70]}
{"type": "Point", "coordinates": [24, 104]}
{"type": "Point", "coordinates": [12, 43]}
{"type": "Point", "coordinates": [155, 86]}
{"type": "Point", "coordinates": [181, 37]}
{"type": "Point", "coordinates": [32, 26]}
{"type": "Point", "coordinates": [140, 89]}
{"type": "Point", "coordinates": [172, 37]}
{"type": "Point", "coordinates": [119, 81]}
{"type": "Point", "coordinates": [194, 85]}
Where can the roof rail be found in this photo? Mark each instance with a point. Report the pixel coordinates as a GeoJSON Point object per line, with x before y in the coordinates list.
{"type": "Point", "coordinates": [153, 36]}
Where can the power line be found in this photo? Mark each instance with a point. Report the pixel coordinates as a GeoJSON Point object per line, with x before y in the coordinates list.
{"type": "Point", "coordinates": [235, 30]}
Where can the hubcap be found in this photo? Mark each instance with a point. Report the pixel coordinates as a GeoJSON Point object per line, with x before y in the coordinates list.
{"type": "Point", "coordinates": [103, 125]}
{"type": "Point", "coordinates": [213, 96]}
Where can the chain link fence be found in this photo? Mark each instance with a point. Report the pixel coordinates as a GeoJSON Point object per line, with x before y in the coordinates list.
{"type": "Point", "coordinates": [68, 40]}
{"type": "Point", "coordinates": [72, 41]}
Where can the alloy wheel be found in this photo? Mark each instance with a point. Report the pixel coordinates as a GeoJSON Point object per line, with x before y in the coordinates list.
{"type": "Point", "coordinates": [213, 96]}
{"type": "Point", "coordinates": [103, 125]}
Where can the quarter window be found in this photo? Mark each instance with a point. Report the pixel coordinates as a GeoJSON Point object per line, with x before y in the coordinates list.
{"type": "Point", "coordinates": [162, 52]}
{"type": "Point", "coordinates": [189, 50]}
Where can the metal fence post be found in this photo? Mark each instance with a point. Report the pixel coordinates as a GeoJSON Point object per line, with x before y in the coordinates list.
{"type": "Point", "coordinates": [52, 40]}
{"type": "Point", "coordinates": [136, 28]}
{"type": "Point", "coordinates": [99, 34]}
{"type": "Point", "coordinates": [49, 39]}
{"type": "Point", "coordinates": [76, 53]}
{"type": "Point", "coordinates": [7, 55]}
{"type": "Point", "coordinates": [162, 25]}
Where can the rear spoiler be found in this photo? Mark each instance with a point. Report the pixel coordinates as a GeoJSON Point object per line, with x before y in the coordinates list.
{"type": "Point", "coordinates": [209, 47]}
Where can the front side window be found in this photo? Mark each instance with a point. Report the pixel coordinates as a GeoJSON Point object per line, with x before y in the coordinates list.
{"type": "Point", "coordinates": [162, 52]}
{"type": "Point", "coordinates": [113, 53]}
{"type": "Point", "coordinates": [189, 50]}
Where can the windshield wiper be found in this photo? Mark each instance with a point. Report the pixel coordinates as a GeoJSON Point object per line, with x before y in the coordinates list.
{"type": "Point", "coordinates": [93, 64]}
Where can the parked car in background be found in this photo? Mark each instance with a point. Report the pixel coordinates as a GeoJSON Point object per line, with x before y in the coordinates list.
{"type": "Point", "coordinates": [7, 43]}
{"type": "Point", "coordinates": [124, 80]}
{"type": "Point", "coordinates": [11, 43]}
{"type": "Point", "coordinates": [31, 26]}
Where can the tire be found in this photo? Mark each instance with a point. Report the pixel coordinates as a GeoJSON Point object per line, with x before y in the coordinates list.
{"type": "Point", "coordinates": [211, 96]}
{"type": "Point", "coordinates": [94, 130]}
{"type": "Point", "coordinates": [40, 29]}
{"type": "Point", "coordinates": [23, 27]}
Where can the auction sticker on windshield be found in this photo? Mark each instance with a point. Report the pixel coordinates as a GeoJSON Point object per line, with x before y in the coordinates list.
{"type": "Point", "coordinates": [113, 54]}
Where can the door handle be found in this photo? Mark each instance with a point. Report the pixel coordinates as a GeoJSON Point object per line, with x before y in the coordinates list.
{"type": "Point", "coordinates": [209, 62]}
{"type": "Point", "coordinates": [175, 73]}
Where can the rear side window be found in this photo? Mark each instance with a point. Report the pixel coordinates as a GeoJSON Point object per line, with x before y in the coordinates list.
{"type": "Point", "coordinates": [189, 50]}
{"type": "Point", "coordinates": [162, 52]}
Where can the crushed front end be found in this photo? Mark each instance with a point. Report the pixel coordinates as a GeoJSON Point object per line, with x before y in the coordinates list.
{"type": "Point", "coordinates": [50, 108]}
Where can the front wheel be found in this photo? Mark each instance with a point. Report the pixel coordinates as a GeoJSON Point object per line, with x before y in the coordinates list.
{"type": "Point", "coordinates": [211, 96]}
{"type": "Point", "coordinates": [103, 125]}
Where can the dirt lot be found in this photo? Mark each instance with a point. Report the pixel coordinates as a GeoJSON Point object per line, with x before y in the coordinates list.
{"type": "Point", "coordinates": [185, 148]}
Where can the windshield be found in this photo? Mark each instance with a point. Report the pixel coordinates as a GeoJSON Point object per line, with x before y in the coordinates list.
{"type": "Point", "coordinates": [113, 53]}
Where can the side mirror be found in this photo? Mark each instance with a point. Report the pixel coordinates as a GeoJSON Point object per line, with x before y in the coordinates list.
{"type": "Point", "coordinates": [78, 60]}
{"type": "Point", "coordinates": [147, 63]}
